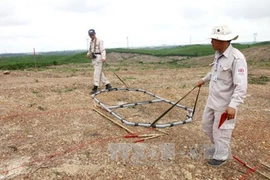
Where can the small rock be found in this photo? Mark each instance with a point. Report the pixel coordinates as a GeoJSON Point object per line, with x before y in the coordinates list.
{"type": "Point", "coordinates": [14, 148]}
{"type": "Point", "coordinates": [6, 72]}
{"type": "Point", "coordinates": [182, 152]}
{"type": "Point", "coordinates": [30, 136]}
{"type": "Point", "coordinates": [121, 177]}
{"type": "Point", "coordinates": [191, 166]}
{"type": "Point", "coordinates": [188, 175]}
{"type": "Point", "coordinates": [193, 154]}
{"type": "Point", "coordinates": [41, 108]}
{"type": "Point", "coordinates": [93, 134]}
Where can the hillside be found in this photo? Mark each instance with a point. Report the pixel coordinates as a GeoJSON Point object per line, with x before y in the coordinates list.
{"type": "Point", "coordinates": [255, 56]}
{"type": "Point", "coordinates": [181, 56]}
{"type": "Point", "coordinates": [258, 56]}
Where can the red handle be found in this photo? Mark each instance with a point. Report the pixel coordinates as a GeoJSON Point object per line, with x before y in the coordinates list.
{"type": "Point", "coordinates": [140, 140]}
{"type": "Point", "coordinates": [244, 164]}
{"type": "Point", "coordinates": [131, 136]}
{"type": "Point", "coordinates": [239, 160]}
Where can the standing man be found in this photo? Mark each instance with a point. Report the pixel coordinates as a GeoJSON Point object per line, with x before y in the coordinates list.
{"type": "Point", "coordinates": [98, 55]}
{"type": "Point", "coordinates": [227, 90]}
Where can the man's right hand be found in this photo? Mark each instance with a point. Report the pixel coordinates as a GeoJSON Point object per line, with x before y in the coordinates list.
{"type": "Point", "coordinates": [200, 83]}
{"type": "Point", "coordinates": [88, 55]}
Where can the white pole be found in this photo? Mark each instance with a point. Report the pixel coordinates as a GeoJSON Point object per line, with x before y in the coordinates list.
{"type": "Point", "coordinates": [127, 43]}
{"type": "Point", "coordinates": [35, 58]}
{"type": "Point", "coordinates": [255, 36]}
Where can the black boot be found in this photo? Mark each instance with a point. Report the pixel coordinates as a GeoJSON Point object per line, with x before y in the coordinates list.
{"type": "Point", "coordinates": [216, 163]}
{"type": "Point", "coordinates": [108, 86]}
{"type": "Point", "coordinates": [94, 90]}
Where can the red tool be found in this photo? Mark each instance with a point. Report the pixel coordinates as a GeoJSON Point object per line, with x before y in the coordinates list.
{"type": "Point", "coordinates": [253, 169]}
{"type": "Point", "coordinates": [223, 118]}
{"type": "Point", "coordinates": [244, 164]}
{"type": "Point", "coordinates": [131, 136]}
{"type": "Point", "coordinates": [140, 140]}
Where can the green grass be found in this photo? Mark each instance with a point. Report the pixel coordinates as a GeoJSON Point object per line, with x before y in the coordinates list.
{"type": "Point", "coordinates": [190, 50]}
{"type": "Point", "coordinates": [130, 78]}
{"type": "Point", "coordinates": [28, 61]}
{"type": "Point", "coordinates": [262, 79]}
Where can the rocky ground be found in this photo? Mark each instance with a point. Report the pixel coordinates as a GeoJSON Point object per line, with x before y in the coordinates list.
{"type": "Point", "coordinates": [50, 131]}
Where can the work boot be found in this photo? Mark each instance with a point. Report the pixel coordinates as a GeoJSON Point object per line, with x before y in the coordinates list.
{"type": "Point", "coordinates": [108, 86]}
{"type": "Point", "coordinates": [94, 90]}
{"type": "Point", "coordinates": [215, 162]}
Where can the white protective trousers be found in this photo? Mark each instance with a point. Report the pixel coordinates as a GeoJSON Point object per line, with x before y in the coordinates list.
{"type": "Point", "coordinates": [98, 74]}
{"type": "Point", "coordinates": [219, 137]}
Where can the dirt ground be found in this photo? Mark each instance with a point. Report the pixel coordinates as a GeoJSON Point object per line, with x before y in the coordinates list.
{"type": "Point", "coordinates": [50, 131]}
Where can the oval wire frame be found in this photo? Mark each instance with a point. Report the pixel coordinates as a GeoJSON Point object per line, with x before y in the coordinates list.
{"type": "Point", "coordinates": [109, 109]}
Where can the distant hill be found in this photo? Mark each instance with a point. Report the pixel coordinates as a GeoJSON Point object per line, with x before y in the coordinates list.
{"type": "Point", "coordinates": [193, 50]}
{"type": "Point", "coordinates": [42, 53]}
{"type": "Point", "coordinates": [255, 56]}
{"type": "Point", "coordinates": [178, 56]}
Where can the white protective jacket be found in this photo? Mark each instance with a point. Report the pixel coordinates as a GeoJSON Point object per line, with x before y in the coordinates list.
{"type": "Point", "coordinates": [228, 80]}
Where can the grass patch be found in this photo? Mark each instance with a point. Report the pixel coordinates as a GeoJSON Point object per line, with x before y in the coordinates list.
{"type": "Point", "coordinates": [69, 89]}
{"type": "Point", "coordinates": [35, 92]}
{"type": "Point", "coordinates": [262, 79]}
{"type": "Point", "coordinates": [130, 78]}
{"type": "Point", "coordinates": [189, 50]}
{"type": "Point", "coordinates": [28, 61]}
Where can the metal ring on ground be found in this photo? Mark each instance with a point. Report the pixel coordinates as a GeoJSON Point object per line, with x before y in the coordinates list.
{"type": "Point", "coordinates": [158, 99]}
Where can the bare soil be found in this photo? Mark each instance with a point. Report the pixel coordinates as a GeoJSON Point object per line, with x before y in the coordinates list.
{"type": "Point", "coordinates": [50, 131]}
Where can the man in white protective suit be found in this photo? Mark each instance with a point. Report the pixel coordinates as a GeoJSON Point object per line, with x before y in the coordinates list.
{"type": "Point", "coordinates": [227, 90]}
{"type": "Point", "coordinates": [97, 53]}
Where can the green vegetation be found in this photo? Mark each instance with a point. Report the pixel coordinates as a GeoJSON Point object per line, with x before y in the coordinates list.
{"type": "Point", "coordinates": [262, 79]}
{"type": "Point", "coordinates": [29, 61]}
{"type": "Point", "coordinates": [187, 50]}
{"type": "Point", "coordinates": [130, 78]}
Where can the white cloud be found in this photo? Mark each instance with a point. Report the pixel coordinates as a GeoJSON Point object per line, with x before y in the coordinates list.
{"type": "Point", "coordinates": [252, 9]}
{"type": "Point", "coordinates": [63, 24]}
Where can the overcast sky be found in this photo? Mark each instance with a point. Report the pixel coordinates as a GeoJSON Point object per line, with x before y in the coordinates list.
{"type": "Point", "coordinates": [52, 25]}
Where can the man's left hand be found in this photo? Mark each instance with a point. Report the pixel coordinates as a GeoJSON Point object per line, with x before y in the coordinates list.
{"type": "Point", "coordinates": [231, 113]}
{"type": "Point", "coordinates": [103, 60]}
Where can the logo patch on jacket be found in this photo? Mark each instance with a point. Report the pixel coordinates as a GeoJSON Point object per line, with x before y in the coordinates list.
{"type": "Point", "coordinates": [241, 71]}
